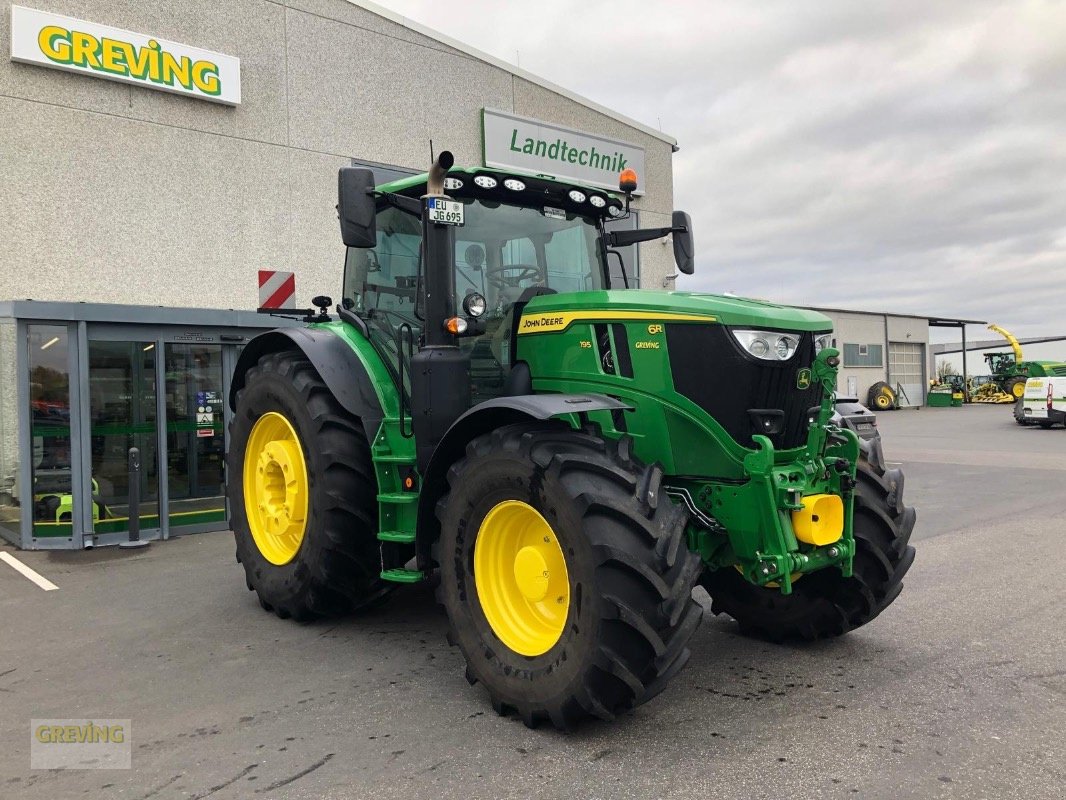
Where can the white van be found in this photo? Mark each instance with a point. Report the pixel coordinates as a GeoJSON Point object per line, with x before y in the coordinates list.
{"type": "Point", "coordinates": [1044, 403]}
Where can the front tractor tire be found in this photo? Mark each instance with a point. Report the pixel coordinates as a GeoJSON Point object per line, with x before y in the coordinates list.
{"type": "Point", "coordinates": [302, 493]}
{"type": "Point", "coordinates": [824, 603]}
{"type": "Point", "coordinates": [564, 573]}
{"type": "Point", "coordinates": [1015, 387]}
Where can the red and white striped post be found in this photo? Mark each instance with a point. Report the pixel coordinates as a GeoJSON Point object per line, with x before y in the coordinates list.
{"type": "Point", "coordinates": [277, 289]}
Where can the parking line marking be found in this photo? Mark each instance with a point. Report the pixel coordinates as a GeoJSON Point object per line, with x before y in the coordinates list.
{"type": "Point", "coordinates": [28, 573]}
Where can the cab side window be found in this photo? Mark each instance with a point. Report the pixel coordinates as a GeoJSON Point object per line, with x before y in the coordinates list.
{"type": "Point", "coordinates": [569, 260]}
{"type": "Point", "coordinates": [385, 277]}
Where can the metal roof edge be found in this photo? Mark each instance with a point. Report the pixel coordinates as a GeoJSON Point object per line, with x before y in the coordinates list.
{"type": "Point", "coordinates": [932, 319]}
{"type": "Point", "coordinates": [60, 311]}
{"type": "Point", "coordinates": [473, 52]}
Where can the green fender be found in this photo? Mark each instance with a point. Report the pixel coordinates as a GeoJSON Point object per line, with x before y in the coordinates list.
{"type": "Point", "coordinates": [483, 418]}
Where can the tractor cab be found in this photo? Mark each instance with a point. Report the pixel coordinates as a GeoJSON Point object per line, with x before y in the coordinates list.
{"type": "Point", "coordinates": [495, 240]}
{"type": "Point", "coordinates": [505, 249]}
{"type": "Point", "coordinates": [1000, 363]}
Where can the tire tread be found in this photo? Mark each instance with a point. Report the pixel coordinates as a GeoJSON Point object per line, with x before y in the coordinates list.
{"type": "Point", "coordinates": [648, 615]}
{"type": "Point", "coordinates": [344, 576]}
{"type": "Point", "coordinates": [825, 604]}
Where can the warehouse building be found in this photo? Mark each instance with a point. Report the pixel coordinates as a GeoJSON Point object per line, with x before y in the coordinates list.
{"type": "Point", "coordinates": [886, 347]}
{"type": "Point", "coordinates": [154, 158]}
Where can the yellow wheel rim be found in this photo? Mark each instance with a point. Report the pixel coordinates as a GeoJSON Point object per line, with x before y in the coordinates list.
{"type": "Point", "coordinates": [275, 488]}
{"type": "Point", "coordinates": [521, 578]}
{"type": "Point", "coordinates": [1018, 390]}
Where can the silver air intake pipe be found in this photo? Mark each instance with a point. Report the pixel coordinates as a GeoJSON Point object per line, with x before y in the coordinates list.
{"type": "Point", "coordinates": [438, 172]}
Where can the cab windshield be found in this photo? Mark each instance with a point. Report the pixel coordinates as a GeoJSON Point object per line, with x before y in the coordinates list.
{"type": "Point", "coordinates": [500, 251]}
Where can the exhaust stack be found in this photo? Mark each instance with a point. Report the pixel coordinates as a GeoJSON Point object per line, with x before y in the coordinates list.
{"type": "Point", "coordinates": [438, 172]}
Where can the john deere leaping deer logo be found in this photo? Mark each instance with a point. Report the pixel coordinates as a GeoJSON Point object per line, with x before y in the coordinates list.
{"type": "Point", "coordinates": [803, 379]}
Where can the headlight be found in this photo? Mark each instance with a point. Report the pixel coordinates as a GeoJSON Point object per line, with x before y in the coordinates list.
{"type": "Point", "coordinates": [597, 201]}
{"type": "Point", "coordinates": [614, 211]}
{"type": "Point", "coordinates": [514, 185]}
{"type": "Point", "coordinates": [785, 346]}
{"type": "Point", "coordinates": [485, 181]}
{"type": "Point", "coordinates": [474, 304]}
{"type": "Point", "coordinates": [451, 184]}
{"type": "Point", "coordinates": [768, 345]}
{"type": "Point", "coordinates": [576, 196]}
{"type": "Point", "coordinates": [822, 341]}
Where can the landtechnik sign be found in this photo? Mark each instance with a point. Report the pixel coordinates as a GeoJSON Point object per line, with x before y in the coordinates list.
{"type": "Point", "coordinates": [512, 142]}
{"type": "Point", "coordinates": [51, 40]}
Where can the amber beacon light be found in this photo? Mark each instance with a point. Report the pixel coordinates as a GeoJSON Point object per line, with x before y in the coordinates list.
{"type": "Point", "coordinates": [627, 180]}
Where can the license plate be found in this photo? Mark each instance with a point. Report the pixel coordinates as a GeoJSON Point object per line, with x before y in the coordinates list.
{"type": "Point", "coordinates": [445, 212]}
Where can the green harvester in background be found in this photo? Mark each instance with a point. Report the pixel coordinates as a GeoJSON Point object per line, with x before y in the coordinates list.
{"type": "Point", "coordinates": [563, 459]}
{"type": "Point", "coordinates": [1010, 370]}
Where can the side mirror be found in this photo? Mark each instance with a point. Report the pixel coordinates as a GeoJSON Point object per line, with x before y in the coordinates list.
{"type": "Point", "coordinates": [355, 207]}
{"type": "Point", "coordinates": [684, 248]}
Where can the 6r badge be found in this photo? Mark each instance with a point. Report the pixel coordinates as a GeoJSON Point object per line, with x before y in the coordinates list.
{"type": "Point", "coordinates": [803, 378]}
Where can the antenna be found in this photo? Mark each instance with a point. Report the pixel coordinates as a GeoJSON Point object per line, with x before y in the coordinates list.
{"type": "Point", "coordinates": [432, 158]}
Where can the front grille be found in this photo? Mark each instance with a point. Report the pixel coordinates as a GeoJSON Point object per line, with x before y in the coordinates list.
{"type": "Point", "coordinates": [1058, 371]}
{"type": "Point", "coordinates": [711, 370]}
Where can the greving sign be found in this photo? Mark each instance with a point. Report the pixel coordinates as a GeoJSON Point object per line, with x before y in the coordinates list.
{"type": "Point", "coordinates": [100, 51]}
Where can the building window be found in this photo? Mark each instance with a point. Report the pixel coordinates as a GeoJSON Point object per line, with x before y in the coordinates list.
{"type": "Point", "coordinates": [11, 501]}
{"type": "Point", "coordinates": [384, 173]}
{"type": "Point", "coordinates": [863, 355]}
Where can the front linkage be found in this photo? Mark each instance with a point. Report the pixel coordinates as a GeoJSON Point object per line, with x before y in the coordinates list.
{"type": "Point", "coordinates": [791, 516]}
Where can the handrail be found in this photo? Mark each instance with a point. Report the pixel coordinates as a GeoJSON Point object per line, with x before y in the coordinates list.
{"type": "Point", "coordinates": [404, 432]}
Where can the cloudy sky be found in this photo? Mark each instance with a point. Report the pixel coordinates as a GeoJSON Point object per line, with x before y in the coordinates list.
{"type": "Point", "coordinates": [902, 155]}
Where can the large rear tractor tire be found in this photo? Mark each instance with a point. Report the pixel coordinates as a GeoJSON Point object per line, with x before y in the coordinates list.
{"type": "Point", "coordinates": [565, 574]}
{"type": "Point", "coordinates": [825, 603]}
{"type": "Point", "coordinates": [881, 397]}
{"type": "Point", "coordinates": [302, 492]}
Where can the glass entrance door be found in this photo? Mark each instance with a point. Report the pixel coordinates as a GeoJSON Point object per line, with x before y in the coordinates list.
{"type": "Point", "coordinates": [122, 411]}
{"type": "Point", "coordinates": [195, 436]}
{"type": "Point", "coordinates": [50, 432]}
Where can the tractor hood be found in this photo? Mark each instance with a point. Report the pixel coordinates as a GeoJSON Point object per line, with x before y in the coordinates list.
{"type": "Point", "coordinates": [731, 311]}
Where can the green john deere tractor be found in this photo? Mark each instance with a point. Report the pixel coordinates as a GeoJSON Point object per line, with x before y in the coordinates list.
{"type": "Point", "coordinates": [565, 461]}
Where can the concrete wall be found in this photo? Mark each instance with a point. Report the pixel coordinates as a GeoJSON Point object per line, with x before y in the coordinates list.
{"type": "Point", "coordinates": [118, 193]}
{"type": "Point", "coordinates": [854, 328]}
{"type": "Point", "coordinates": [908, 329]}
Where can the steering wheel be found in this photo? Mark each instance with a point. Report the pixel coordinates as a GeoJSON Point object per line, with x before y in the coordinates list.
{"type": "Point", "coordinates": [499, 277]}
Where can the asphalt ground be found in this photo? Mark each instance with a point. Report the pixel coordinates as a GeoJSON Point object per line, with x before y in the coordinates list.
{"type": "Point", "coordinates": [957, 691]}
